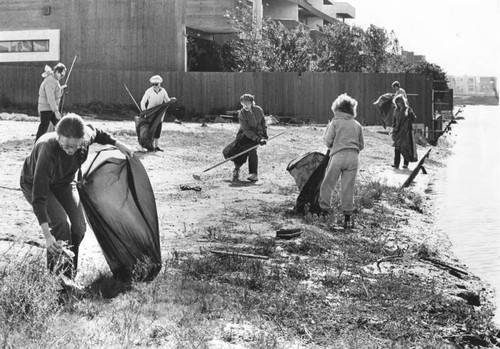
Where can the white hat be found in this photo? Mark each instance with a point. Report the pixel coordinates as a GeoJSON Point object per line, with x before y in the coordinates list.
{"type": "Point", "coordinates": [156, 79]}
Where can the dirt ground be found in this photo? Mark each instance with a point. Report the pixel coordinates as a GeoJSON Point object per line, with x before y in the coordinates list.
{"type": "Point", "coordinates": [187, 217]}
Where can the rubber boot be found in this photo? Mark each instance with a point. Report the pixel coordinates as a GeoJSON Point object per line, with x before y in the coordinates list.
{"type": "Point", "coordinates": [348, 221]}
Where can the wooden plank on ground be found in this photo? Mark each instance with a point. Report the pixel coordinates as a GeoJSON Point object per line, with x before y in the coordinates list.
{"type": "Point", "coordinates": [415, 171]}
{"type": "Point", "coordinates": [236, 254]}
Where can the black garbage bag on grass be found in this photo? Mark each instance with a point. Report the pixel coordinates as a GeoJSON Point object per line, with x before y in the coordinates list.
{"type": "Point", "coordinates": [308, 199]}
{"type": "Point", "coordinates": [303, 166]}
{"type": "Point", "coordinates": [148, 122]}
{"type": "Point", "coordinates": [120, 206]}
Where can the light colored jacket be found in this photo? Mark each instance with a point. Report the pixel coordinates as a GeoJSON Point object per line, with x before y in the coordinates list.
{"type": "Point", "coordinates": [152, 99]}
{"type": "Point", "coordinates": [49, 94]}
{"type": "Point", "coordinates": [343, 132]}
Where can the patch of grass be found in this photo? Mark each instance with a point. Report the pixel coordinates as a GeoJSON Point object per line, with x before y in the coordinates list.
{"type": "Point", "coordinates": [310, 244]}
{"type": "Point", "coordinates": [318, 291]}
{"type": "Point", "coordinates": [29, 299]}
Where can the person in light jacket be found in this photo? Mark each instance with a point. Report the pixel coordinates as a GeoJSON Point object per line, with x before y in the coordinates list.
{"type": "Point", "coordinates": [344, 139]}
{"type": "Point", "coordinates": [49, 97]}
{"type": "Point", "coordinates": [154, 96]}
{"type": "Point", "coordinates": [398, 91]}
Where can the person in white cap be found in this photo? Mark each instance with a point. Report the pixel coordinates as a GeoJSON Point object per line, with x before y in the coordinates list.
{"type": "Point", "coordinates": [154, 96]}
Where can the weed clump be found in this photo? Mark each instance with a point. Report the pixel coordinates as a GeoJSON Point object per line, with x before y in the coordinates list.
{"type": "Point", "coordinates": [28, 300]}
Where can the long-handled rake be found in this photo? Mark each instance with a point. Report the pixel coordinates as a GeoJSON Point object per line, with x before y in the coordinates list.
{"type": "Point", "coordinates": [197, 176]}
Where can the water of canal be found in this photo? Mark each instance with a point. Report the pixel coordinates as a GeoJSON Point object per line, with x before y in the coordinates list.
{"type": "Point", "coordinates": [468, 194]}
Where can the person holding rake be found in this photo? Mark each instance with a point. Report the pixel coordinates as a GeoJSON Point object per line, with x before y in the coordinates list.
{"type": "Point", "coordinates": [253, 131]}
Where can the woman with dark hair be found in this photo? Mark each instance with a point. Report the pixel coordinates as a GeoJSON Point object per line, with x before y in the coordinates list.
{"type": "Point", "coordinates": [48, 183]}
{"type": "Point", "coordinates": [49, 97]}
{"type": "Point", "coordinates": [344, 139]}
{"type": "Point", "coordinates": [402, 133]}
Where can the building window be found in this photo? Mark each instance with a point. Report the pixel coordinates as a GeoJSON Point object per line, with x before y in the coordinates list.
{"type": "Point", "coordinates": [29, 45]}
{"type": "Point", "coordinates": [24, 46]}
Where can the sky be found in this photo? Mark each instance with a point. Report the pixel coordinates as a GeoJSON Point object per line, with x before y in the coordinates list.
{"type": "Point", "coordinates": [461, 36]}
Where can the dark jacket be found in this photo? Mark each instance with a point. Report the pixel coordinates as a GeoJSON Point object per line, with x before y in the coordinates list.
{"type": "Point", "coordinates": [402, 133]}
{"type": "Point", "coordinates": [48, 166]}
{"type": "Point", "coordinates": [253, 123]}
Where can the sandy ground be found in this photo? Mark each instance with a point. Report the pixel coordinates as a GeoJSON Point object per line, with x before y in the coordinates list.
{"type": "Point", "coordinates": [187, 217]}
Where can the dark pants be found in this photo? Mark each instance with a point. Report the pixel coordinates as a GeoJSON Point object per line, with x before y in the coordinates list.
{"type": "Point", "coordinates": [240, 144]}
{"type": "Point", "coordinates": [66, 222]}
{"type": "Point", "coordinates": [45, 118]}
{"type": "Point", "coordinates": [397, 158]}
{"type": "Point", "coordinates": [253, 162]}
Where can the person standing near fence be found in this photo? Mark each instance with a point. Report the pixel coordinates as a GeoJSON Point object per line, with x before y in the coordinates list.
{"type": "Point", "coordinates": [49, 97]}
{"type": "Point", "coordinates": [398, 91]}
{"type": "Point", "coordinates": [154, 96]}
{"type": "Point", "coordinates": [402, 133]}
{"type": "Point", "coordinates": [344, 139]}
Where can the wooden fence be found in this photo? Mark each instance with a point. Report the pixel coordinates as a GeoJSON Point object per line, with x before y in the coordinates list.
{"type": "Point", "coordinates": [302, 95]}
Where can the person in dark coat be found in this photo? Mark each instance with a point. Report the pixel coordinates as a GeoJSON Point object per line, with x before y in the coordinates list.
{"type": "Point", "coordinates": [48, 183]}
{"type": "Point", "coordinates": [402, 133]}
{"type": "Point", "coordinates": [253, 131]}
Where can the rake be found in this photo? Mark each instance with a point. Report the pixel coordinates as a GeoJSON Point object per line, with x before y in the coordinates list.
{"type": "Point", "coordinates": [197, 176]}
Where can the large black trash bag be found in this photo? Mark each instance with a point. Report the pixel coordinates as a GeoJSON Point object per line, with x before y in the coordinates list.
{"type": "Point", "coordinates": [302, 167]}
{"type": "Point", "coordinates": [120, 206]}
{"type": "Point", "coordinates": [148, 122]}
{"type": "Point", "coordinates": [308, 199]}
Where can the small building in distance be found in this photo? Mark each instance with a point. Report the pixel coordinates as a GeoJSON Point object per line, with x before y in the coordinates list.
{"type": "Point", "coordinates": [411, 57]}
{"type": "Point", "coordinates": [473, 85]}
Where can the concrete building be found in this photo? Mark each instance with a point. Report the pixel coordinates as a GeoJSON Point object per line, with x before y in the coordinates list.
{"type": "Point", "coordinates": [340, 10]}
{"type": "Point", "coordinates": [206, 18]}
{"type": "Point", "coordinates": [107, 35]}
{"type": "Point", "coordinates": [134, 35]}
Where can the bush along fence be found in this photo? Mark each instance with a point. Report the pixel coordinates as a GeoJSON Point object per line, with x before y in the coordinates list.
{"type": "Point", "coordinates": [302, 95]}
